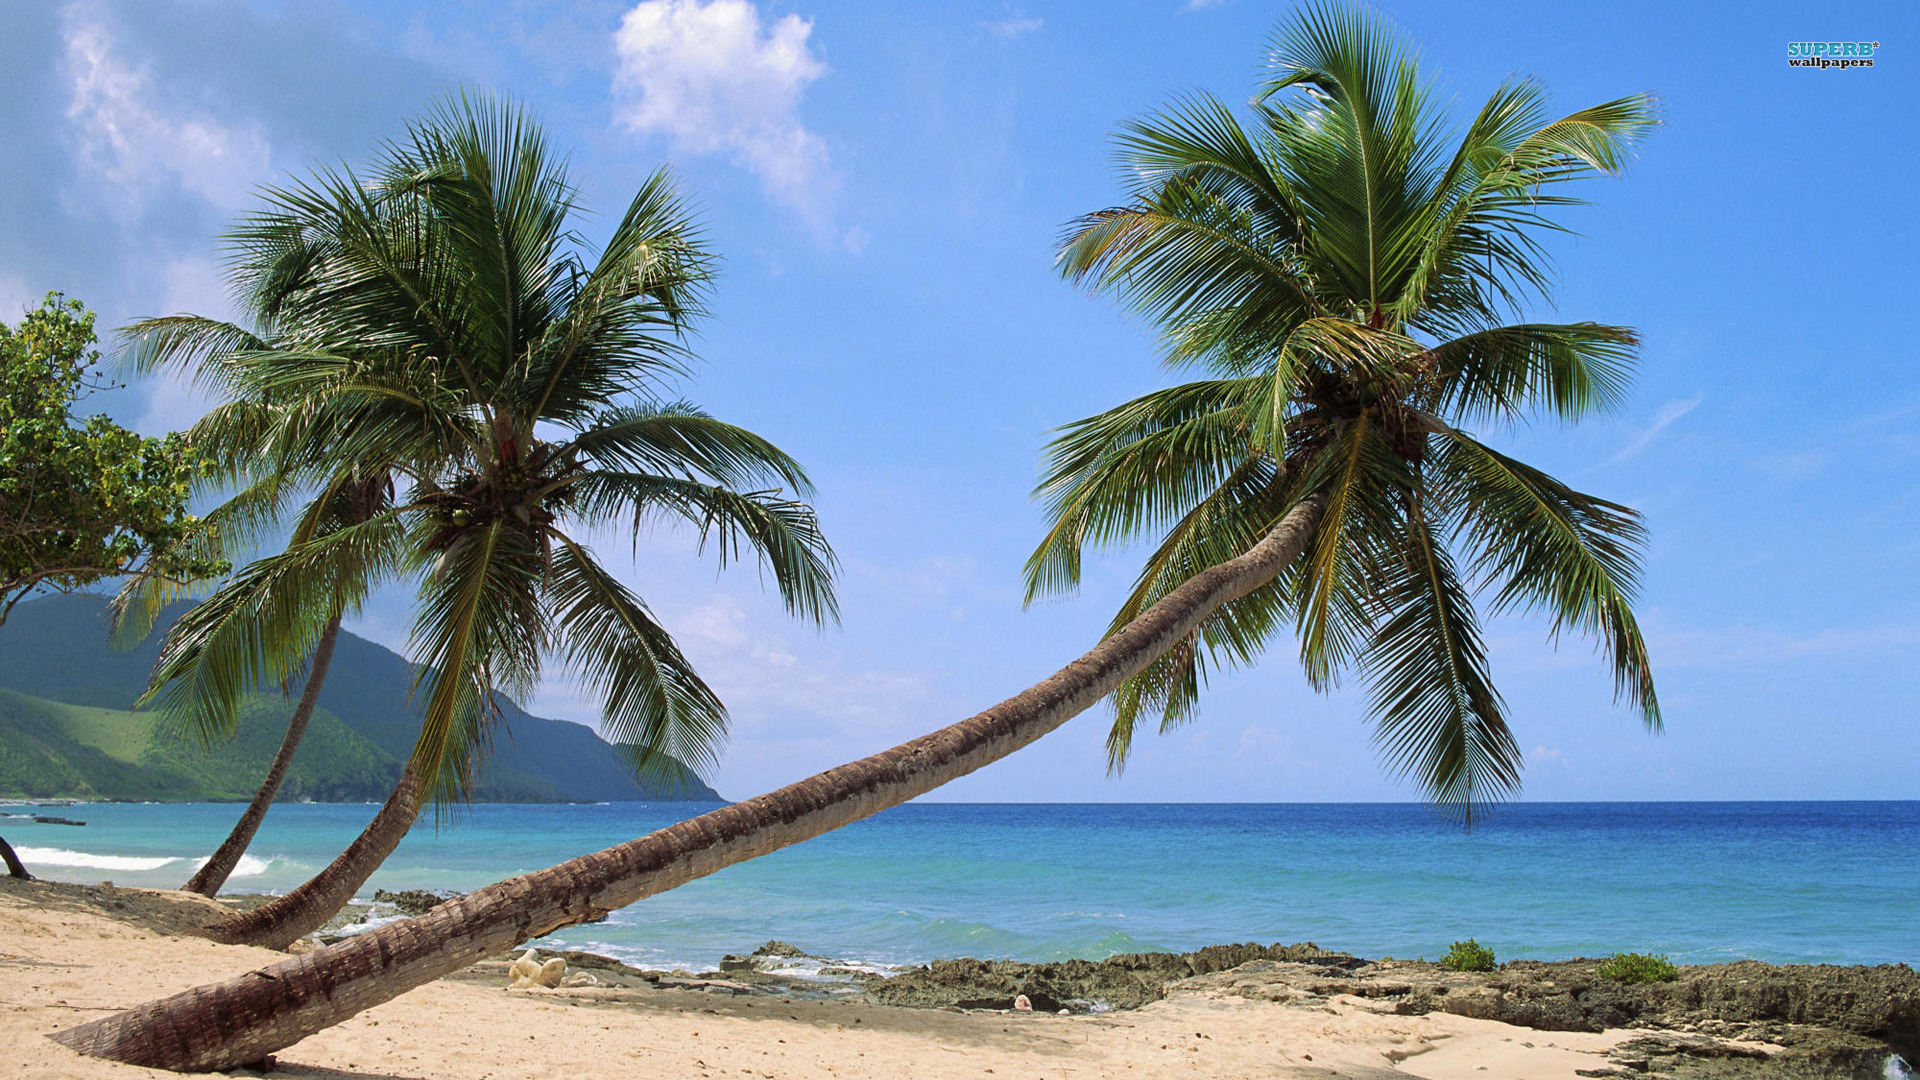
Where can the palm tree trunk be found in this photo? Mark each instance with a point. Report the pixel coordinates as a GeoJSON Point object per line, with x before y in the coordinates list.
{"type": "Point", "coordinates": [14, 867]}
{"type": "Point", "coordinates": [224, 1025]}
{"type": "Point", "coordinates": [285, 920]}
{"type": "Point", "coordinates": [207, 880]}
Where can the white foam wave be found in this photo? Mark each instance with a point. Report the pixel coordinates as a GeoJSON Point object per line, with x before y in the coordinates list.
{"type": "Point", "coordinates": [248, 866]}
{"type": "Point", "coordinates": [64, 857]}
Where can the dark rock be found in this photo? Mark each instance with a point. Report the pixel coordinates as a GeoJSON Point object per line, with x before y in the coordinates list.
{"type": "Point", "coordinates": [1126, 981]}
{"type": "Point", "coordinates": [412, 902]}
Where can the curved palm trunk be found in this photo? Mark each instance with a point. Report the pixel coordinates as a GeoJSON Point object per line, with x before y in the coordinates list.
{"type": "Point", "coordinates": [283, 921]}
{"type": "Point", "coordinates": [208, 879]}
{"type": "Point", "coordinates": [224, 1025]}
{"type": "Point", "coordinates": [14, 868]}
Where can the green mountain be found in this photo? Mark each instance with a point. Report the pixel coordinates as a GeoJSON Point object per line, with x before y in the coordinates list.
{"type": "Point", "coordinates": [65, 731]}
{"type": "Point", "coordinates": [50, 749]}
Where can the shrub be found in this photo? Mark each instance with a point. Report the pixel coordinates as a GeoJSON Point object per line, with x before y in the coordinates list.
{"type": "Point", "coordinates": [1468, 955]}
{"type": "Point", "coordinates": [1633, 967]}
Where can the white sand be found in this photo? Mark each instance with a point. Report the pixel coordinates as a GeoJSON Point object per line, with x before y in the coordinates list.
{"type": "Point", "coordinates": [61, 965]}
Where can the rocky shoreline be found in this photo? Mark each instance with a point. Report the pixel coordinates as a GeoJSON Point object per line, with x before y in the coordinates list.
{"type": "Point", "coordinates": [1712, 1021]}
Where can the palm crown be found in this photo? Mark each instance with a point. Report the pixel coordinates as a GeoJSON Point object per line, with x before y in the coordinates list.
{"type": "Point", "coordinates": [1343, 269]}
{"type": "Point", "coordinates": [460, 393]}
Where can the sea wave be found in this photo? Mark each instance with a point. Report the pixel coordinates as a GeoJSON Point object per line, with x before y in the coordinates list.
{"type": "Point", "coordinates": [249, 866]}
{"type": "Point", "coordinates": [64, 857]}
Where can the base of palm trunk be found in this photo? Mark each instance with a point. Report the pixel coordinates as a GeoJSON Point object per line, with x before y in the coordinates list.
{"type": "Point", "coordinates": [285, 920]}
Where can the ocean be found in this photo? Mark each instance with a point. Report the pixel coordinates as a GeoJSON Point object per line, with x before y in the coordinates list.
{"type": "Point", "coordinates": [1810, 882]}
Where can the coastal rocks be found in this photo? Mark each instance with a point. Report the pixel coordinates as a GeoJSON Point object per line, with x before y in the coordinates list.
{"type": "Point", "coordinates": [412, 902]}
{"type": "Point", "coordinates": [1672, 1056]}
{"type": "Point", "coordinates": [1881, 1002]}
{"type": "Point", "coordinates": [767, 957]}
{"type": "Point", "coordinates": [1127, 981]}
{"type": "Point", "coordinates": [1746, 1019]}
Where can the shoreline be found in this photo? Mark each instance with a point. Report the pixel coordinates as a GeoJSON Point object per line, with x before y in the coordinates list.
{"type": "Point", "coordinates": [1249, 1010]}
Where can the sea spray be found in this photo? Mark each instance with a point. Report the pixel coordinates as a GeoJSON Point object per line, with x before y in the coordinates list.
{"type": "Point", "coordinates": [1897, 1069]}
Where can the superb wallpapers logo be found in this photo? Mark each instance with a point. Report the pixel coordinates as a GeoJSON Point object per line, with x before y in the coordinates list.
{"type": "Point", "coordinates": [1839, 55]}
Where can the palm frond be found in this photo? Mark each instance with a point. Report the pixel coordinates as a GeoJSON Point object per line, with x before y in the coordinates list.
{"type": "Point", "coordinates": [1572, 370]}
{"type": "Point", "coordinates": [480, 629]}
{"type": "Point", "coordinates": [680, 439]}
{"type": "Point", "coordinates": [258, 629]}
{"type": "Point", "coordinates": [782, 533]}
{"type": "Point", "coordinates": [1544, 546]}
{"type": "Point", "coordinates": [652, 702]}
{"type": "Point", "coordinates": [1437, 715]}
{"type": "Point", "coordinates": [1136, 468]}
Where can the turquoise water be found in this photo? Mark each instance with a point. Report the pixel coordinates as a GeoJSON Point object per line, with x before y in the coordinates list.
{"type": "Point", "coordinates": [1784, 882]}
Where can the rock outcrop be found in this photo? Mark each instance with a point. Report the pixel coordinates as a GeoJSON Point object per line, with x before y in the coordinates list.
{"type": "Point", "coordinates": [1127, 981]}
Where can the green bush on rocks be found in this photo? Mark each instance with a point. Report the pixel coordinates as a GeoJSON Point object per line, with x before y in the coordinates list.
{"type": "Point", "coordinates": [1468, 955]}
{"type": "Point", "coordinates": [1631, 967]}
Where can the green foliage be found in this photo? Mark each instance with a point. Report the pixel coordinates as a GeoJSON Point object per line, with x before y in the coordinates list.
{"type": "Point", "coordinates": [1628, 967]}
{"type": "Point", "coordinates": [470, 393]}
{"type": "Point", "coordinates": [1468, 955]}
{"type": "Point", "coordinates": [1340, 263]}
{"type": "Point", "coordinates": [82, 499]}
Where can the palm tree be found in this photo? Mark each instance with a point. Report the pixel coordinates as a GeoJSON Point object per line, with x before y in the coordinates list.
{"type": "Point", "coordinates": [1345, 280]}
{"type": "Point", "coordinates": [1309, 254]}
{"type": "Point", "coordinates": [511, 404]}
{"type": "Point", "coordinates": [257, 446]}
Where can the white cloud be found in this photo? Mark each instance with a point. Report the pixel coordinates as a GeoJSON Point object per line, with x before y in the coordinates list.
{"type": "Point", "coordinates": [1013, 26]}
{"type": "Point", "coordinates": [133, 144]}
{"type": "Point", "coordinates": [715, 79]}
{"type": "Point", "coordinates": [1663, 419]}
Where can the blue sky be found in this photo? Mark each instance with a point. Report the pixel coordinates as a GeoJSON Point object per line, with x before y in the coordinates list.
{"type": "Point", "coordinates": [885, 183]}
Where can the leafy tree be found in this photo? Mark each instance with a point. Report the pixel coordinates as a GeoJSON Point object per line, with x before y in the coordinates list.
{"type": "Point", "coordinates": [1346, 269]}
{"type": "Point", "coordinates": [82, 500]}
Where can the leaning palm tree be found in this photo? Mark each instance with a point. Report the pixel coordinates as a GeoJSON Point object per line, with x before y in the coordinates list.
{"type": "Point", "coordinates": [259, 447]}
{"type": "Point", "coordinates": [1347, 282]}
{"type": "Point", "coordinates": [1326, 244]}
{"type": "Point", "coordinates": [468, 394]}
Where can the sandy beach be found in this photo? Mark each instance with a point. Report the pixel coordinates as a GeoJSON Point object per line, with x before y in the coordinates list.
{"type": "Point", "coordinates": [64, 961]}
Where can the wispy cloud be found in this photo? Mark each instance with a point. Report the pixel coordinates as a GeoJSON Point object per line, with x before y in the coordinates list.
{"type": "Point", "coordinates": [1708, 647]}
{"type": "Point", "coordinates": [129, 140]}
{"type": "Point", "coordinates": [759, 673]}
{"type": "Point", "coordinates": [1664, 418]}
{"type": "Point", "coordinates": [714, 78]}
{"type": "Point", "coordinates": [1013, 26]}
